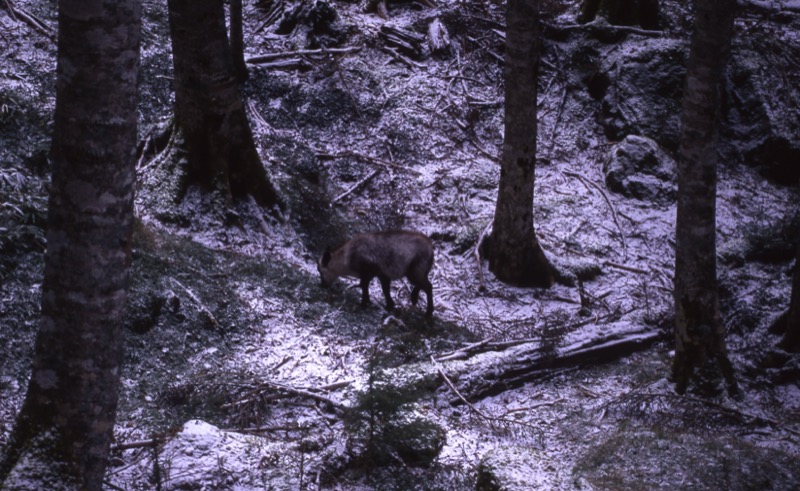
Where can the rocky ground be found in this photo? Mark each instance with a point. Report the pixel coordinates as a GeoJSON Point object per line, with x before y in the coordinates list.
{"type": "Point", "coordinates": [241, 373]}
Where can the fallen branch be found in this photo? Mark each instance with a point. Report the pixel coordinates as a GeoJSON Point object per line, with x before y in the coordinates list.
{"type": "Point", "coordinates": [355, 187]}
{"type": "Point", "coordinates": [367, 159]}
{"type": "Point", "coordinates": [463, 352]}
{"type": "Point", "coordinates": [483, 415]}
{"type": "Point", "coordinates": [534, 363]}
{"type": "Point", "coordinates": [34, 22]}
{"type": "Point", "coordinates": [626, 267]}
{"type": "Point", "coordinates": [602, 25]}
{"type": "Point", "coordinates": [301, 52]}
{"type": "Point", "coordinates": [137, 444]}
{"type": "Point", "coordinates": [588, 183]}
{"type": "Point", "coordinates": [290, 391]}
{"type": "Point", "coordinates": [289, 64]}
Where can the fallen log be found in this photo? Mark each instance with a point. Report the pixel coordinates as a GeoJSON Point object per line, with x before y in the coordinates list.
{"type": "Point", "coordinates": [531, 362]}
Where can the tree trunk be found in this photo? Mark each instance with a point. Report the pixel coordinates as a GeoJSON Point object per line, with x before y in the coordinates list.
{"type": "Point", "coordinates": [791, 339]}
{"type": "Point", "coordinates": [209, 107]}
{"type": "Point", "coordinates": [64, 429]}
{"type": "Point", "coordinates": [699, 333]}
{"type": "Point", "coordinates": [237, 40]}
{"type": "Point", "coordinates": [513, 250]}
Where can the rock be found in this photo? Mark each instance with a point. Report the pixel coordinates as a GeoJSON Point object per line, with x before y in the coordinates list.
{"type": "Point", "coordinates": [638, 168]}
{"type": "Point", "coordinates": [510, 469]}
{"type": "Point", "coordinates": [202, 456]}
{"type": "Point", "coordinates": [641, 87]}
{"type": "Point", "coordinates": [644, 90]}
{"type": "Point", "coordinates": [761, 119]}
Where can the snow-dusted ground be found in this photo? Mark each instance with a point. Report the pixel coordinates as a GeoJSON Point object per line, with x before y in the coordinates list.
{"type": "Point", "coordinates": [258, 398]}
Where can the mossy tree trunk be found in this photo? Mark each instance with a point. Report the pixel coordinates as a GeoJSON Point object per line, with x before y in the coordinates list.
{"type": "Point", "coordinates": [513, 251]}
{"type": "Point", "coordinates": [700, 348]}
{"type": "Point", "coordinates": [209, 106]}
{"type": "Point", "coordinates": [643, 13]}
{"type": "Point", "coordinates": [63, 432]}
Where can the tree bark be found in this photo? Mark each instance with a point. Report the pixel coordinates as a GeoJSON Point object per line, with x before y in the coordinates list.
{"type": "Point", "coordinates": [237, 40]}
{"type": "Point", "coordinates": [791, 338]}
{"type": "Point", "coordinates": [699, 334]}
{"type": "Point", "coordinates": [209, 106]}
{"type": "Point", "coordinates": [513, 251]}
{"type": "Point", "coordinates": [64, 428]}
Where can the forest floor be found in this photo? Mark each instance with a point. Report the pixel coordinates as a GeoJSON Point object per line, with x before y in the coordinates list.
{"type": "Point", "coordinates": [242, 373]}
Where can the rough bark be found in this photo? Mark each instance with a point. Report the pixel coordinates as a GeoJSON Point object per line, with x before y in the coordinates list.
{"type": "Point", "coordinates": [63, 432]}
{"type": "Point", "coordinates": [209, 106]}
{"type": "Point", "coordinates": [513, 251]}
{"type": "Point", "coordinates": [791, 338]}
{"type": "Point", "coordinates": [700, 350]}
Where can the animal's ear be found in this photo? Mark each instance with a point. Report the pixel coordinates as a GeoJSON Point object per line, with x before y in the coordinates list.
{"type": "Point", "coordinates": [326, 257]}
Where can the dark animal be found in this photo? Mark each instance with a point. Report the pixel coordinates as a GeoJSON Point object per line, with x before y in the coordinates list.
{"type": "Point", "coordinates": [389, 255]}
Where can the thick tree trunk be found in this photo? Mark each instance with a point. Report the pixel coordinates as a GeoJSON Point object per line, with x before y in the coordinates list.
{"type": "Point", "coordinates": [513, 251]}
{"type": "Point", "coordinates": [66, 421]}
{"type": "Point", "coordinates": [791, 339]}
{"type": "Point", "coordinates": [237, 40]}
{"type": "Point", "coordinates": [209, 107]}
{"type": "Point", "coordinates": [699, 333]}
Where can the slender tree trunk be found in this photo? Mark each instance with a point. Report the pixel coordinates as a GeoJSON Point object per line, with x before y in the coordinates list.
{"type": "Point", "coordinates": [209, 107]}
{"type": "Point", "coordinates": [699, 333]}
{"type": "Point", "coordinates": [64, 429]}
{"type": "Point", "coordinates": [513, 250]}
{"type": "Point", "coordinates": [791, 339]}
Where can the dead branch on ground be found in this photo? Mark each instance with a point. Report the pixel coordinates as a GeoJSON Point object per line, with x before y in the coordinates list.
{"type": "Point", "coordinates": [31, 20]}
{"type": "Point", "coordinates": [268, 57]}
{"type": "Point", "coordinates": [491, 419]}
{"type": "Point", "coordinates": [355, 187]}
{"type": "Point", "coordinates": [368, 159]}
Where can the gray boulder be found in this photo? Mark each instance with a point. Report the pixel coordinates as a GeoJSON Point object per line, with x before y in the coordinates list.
{"type": "Point", "coordinates": [638, 168]}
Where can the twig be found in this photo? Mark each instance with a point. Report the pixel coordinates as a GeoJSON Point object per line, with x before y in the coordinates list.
{"type": "Point", "coordinates": [355, 187]}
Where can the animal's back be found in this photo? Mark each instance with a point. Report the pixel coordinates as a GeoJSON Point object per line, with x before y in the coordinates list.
{"type": "Point", "coordinates": [394, 253]}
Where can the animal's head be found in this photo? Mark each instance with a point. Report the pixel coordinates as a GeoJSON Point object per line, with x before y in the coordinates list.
{"type": "Point", "coordinates": [323, 266]}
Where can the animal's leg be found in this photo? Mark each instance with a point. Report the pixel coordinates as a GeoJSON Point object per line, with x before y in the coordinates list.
{"type": "Point", "coordinates": [415, 295]}
{"type": "Point", "coordinates": [387, 292]}
{"type": "Point", "coordinates": [365, 291]}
